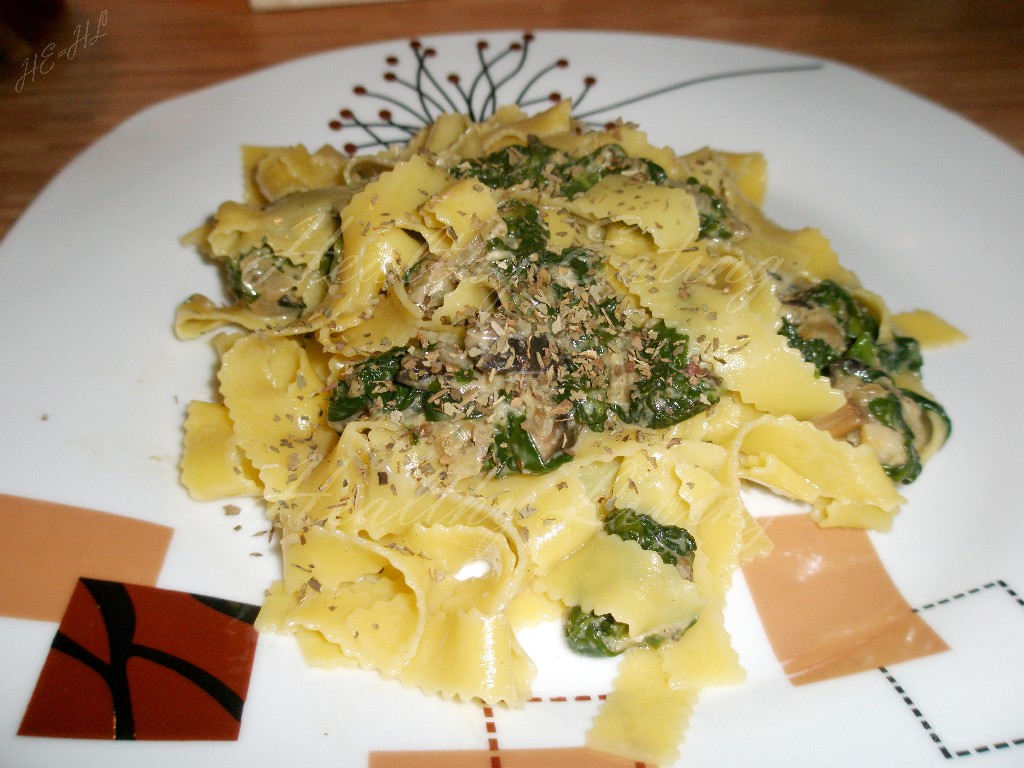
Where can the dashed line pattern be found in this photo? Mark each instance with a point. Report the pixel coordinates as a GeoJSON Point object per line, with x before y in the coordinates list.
{"type": "Point", "coordinates": [495, 750]}
{"type": "Point", "coordinates": [492, 737]}
{"type": "Point", "coordinates": [492, 728]}
{"type": "Point", "coordinates": [560, 699]}
{"type": "Point", "coordinates": [968, 593]}
{"type": "Point", "coordinates": [946, 752]}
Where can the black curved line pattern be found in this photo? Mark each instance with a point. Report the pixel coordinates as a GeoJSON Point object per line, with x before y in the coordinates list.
{"type": "Point", "coordinates": [69, 647]}
{"type": "Point", "coordinates": [233, 609]}
{"type": "Point", "coordinates": [212, 685]}
{"type": "Point", "coordinates": [481, 99]}
{"type": "Point", "coordinates": [118, 613]}
{"type": "Point", "coordinates": [124, 723]}
{"type": "Point", "coordinates": [700, 81]}
{"type": "Point", "coordinates": [119, 619]}
{"type": "Point", "coordinates": [523, 49]}
{"type": "Point", "coordinates": [422, 70]}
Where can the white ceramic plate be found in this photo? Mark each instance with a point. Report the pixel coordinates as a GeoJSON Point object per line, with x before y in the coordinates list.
{"type": "Point", "coordinates": [924, 206]}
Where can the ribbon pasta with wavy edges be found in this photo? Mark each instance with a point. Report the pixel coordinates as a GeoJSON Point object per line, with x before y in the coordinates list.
{"type": "Point", "coordinates": [520, 370]}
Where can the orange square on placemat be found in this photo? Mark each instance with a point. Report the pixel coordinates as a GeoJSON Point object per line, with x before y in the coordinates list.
{"type": "Point", "coordinates": [828, 605]}
{"type": "Point", "coordinates": [48, 546]}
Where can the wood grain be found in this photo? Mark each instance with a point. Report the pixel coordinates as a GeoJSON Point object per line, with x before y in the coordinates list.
{"type": "Point", "coordinates": [965, 55]}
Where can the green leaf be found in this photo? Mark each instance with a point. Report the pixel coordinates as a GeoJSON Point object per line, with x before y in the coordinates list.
{"type": "Point", "coordinates": [853, 320]}
{"type": "Point", "coordinates": [291, 302]}
{"type": "Point", "coordinates": [903, 354]}
{"type": "Point", "coordinates": [818, 352]}
{"type": "Point", "coordinates": [591, 410]}
{"type": "Point", "coordinates": [583, 173]}
{"type": "Point", "coordinates": [930, 406]}
{"type": "Point", "coordinates": [712, 212]}
{"type": "Point", "coordinates": [508, 167]}
{"type": "Point", "coordinates": [374, 385]}
{"type": "Point", "coordinates": [373, 380]}
{"type": "Point", "coordinates": [591, 635]}
{"type": "Point", "coordinates": [526, 238]}
{"type": "Point", "coordinates": [330, 258]}
{"type": "Point", "coordinates": [672, 391]}
{"type": "Point", "coordinates": [889, 412]}
{"type": "Point", "coordinates": [670, 542]}
{"type": "Point", "coordinates": [515, 452]}
{"type": "Point", "coordinates": [239, 286]}
{"type": "Point", "coordinates": [539, 165]}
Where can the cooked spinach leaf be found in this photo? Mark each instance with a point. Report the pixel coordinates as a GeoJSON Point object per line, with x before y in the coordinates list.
{"type": "Point", "coordinates": [839, 335]}
{"type": "Point", "coordinates": [889, 410]}
{"type": "Point", "coordinates": [537, 164]}
{"type": "Point", "coordinates": [525, 244]}
{"type": "Point", "coordinates": [856, 326]}
{"type": "Point", "coordinates": [816, 351]}
{"type": "Point", "coordinates": [712, 212]}
{"type": "Point", "coordinates": [855, 330]}
{"type": "Point", "coordinates": [509, 167]}
{"type": "Point", "coordinates": [929, 406]}
{"type": "Point", "coordinates": [670, 388]}
{"type": "Point", "coordinates": [580, 175]}
{"type": "Point", "coordinates": [375, 386]}
{"type": "Point", "coordinates": [589, 634]}
{"type": "Point", "coordinates": [903, 354]}
{"type": "Point", "coordinates": [374, 380]}
{"type": "Point", "coordinates": [672, 543]}
{"type": "Point", "coordinates": [240, 287]}
{"type": "Point", "coordinates": [515, 452]}
{"type": "Point", "coordinates": [525, 240]}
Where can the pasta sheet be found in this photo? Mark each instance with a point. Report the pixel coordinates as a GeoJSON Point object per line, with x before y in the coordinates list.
{"type": "Point", "coordinates": [418, 535]}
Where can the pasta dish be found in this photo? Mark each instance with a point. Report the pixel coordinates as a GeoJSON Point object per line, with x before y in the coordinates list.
{"type": "Point", "coordinates": [518, 371]}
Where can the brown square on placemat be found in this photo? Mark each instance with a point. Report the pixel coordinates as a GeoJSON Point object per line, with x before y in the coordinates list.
{"type": "Point", "coordinates": [141, 663]}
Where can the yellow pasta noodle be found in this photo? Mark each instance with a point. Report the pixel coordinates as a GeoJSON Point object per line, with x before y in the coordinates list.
{"type": "Point", "coordinates": [519, 371]}
{"type": "Point", "coordinates": [213, 464]}
{"type": "Point", "coordinates": [643, 718]}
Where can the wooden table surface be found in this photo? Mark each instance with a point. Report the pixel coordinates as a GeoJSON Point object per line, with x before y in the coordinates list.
{"type": "Point", "coordinates": [965, 54]}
